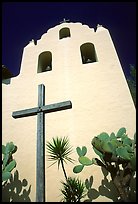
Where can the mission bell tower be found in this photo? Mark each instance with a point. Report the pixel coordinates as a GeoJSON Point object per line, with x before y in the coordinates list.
{"type": "Point", "coordinates": [76, 63]}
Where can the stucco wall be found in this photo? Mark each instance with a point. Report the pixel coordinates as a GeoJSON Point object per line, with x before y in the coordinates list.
{"type": "Point", "coordinates": [101, 102]}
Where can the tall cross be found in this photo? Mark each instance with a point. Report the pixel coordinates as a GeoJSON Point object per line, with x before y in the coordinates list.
{"type": "Point", "coordinates": [40, 112]}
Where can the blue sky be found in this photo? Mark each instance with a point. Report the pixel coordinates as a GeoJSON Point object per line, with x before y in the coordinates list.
{"type": "Point", "coordinates": [23, 21]}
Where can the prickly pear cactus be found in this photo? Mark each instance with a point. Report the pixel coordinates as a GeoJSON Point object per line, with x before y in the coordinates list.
{"type": "Point", "coordinates": [117, 148]}
{"type": "Point", "coordinates": [117, 154]}
{"type": "Point", "coordinates": [8, 163]}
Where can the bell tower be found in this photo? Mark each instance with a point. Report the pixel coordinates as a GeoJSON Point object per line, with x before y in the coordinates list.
{"type": "Point", "coordinates": [77, 63]}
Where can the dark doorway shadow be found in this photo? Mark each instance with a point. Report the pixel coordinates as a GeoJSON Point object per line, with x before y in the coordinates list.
{"type": "Point", "coordinates": [16, 190]}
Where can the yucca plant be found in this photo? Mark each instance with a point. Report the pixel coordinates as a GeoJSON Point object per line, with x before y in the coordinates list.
{"type": "Point", "coordinates": [59, 150]}
{"type": "Point", "coordinates": [73, 190]}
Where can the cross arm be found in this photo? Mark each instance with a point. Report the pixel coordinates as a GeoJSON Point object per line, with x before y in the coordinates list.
{"type": "Point", "coordinates": [25, 113]}
{"type": "Point", "coordinates": [57, 107]}
{"type": "Point", "coordinates": [45, 109]}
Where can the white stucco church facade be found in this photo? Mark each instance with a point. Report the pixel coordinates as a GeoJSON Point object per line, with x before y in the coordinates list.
{"type": "Point", "coordinates": [76, 63]}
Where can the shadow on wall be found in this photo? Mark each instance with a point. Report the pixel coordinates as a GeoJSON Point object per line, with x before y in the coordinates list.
{"type": "Point", "coordinates": [107, 189]}
{"type": "Point", "coordinates": [16, 190]}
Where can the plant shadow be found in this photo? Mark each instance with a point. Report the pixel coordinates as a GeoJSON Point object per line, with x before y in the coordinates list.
{"type": "Point", "coordinates": [108, 189]}
{"type": "Point", "coordinates": [91, 193]}
{"type": "Point", "coordinates": [16, 190]}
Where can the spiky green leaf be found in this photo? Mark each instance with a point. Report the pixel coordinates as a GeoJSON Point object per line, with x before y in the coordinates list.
{"type": "Point", "coordinates": [73, 190]}
{"type": "Point", "coordinates": [59, 150]}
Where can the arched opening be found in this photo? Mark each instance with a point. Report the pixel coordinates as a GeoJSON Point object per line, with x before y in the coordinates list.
{"type": "Point", "coordinates": [64, 33]}
{"type": "Point", "coordinates": [44, 62]}
{"type": "Point", "coordinates": [88, 53]}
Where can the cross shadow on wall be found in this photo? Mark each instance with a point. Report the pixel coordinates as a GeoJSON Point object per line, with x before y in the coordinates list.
{"type": "Point", "coordinates": [16, 190]}
{"type": "Point", "coordinates": [107, 189]}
